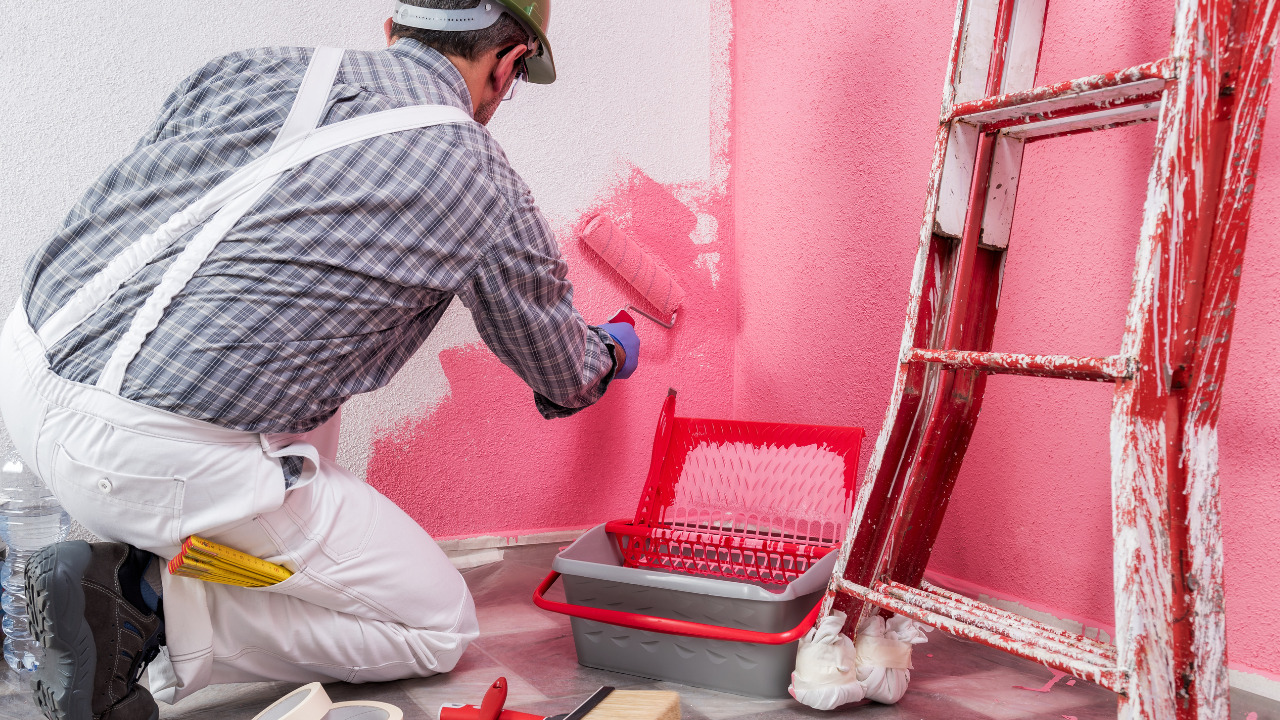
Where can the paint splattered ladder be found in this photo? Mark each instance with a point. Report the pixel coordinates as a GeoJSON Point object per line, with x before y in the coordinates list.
{"type": "Point", "coordinates": [1209, 95]}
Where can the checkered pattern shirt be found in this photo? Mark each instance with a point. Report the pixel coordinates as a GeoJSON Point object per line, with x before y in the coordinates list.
{"type": "Point", "coordinates": [328, 285]}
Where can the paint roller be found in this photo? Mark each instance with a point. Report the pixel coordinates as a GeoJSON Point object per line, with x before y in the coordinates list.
{"type": "Point", "coordinates": [635, 266]}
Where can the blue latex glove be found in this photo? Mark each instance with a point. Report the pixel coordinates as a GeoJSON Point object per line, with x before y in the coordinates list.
{"type": "Point", "coordinates": [625, 335]}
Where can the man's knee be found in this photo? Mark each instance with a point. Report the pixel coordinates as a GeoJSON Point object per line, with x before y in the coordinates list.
{"type": "Point", "coordinates": [433, 650]}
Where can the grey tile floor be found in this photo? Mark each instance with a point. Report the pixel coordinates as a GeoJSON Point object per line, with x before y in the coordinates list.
{"type": "Point", "coordinates": [953, 679]}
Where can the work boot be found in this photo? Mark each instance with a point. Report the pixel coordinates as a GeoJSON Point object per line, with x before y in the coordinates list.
{"type": "Point", "coordinates": [98, 635]}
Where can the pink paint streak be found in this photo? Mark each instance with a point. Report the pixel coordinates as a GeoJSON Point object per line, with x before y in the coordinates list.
{"type": "Point", "coordinates": [1048, 684]}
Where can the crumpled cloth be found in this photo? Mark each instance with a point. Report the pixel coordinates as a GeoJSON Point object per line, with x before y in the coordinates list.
{"type": "Point", "coordinates": [832, 670]}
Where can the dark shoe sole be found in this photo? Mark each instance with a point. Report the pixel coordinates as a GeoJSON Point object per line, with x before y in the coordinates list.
{"type": "Point", "coordinates": [55, 601]}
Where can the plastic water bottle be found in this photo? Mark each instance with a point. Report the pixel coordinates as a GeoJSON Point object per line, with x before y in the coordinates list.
{"type": "Point", "coordinates": [30, 519]}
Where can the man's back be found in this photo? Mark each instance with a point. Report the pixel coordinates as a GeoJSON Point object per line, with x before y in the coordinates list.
{"type": "Point", "coordinates": [327, 286]}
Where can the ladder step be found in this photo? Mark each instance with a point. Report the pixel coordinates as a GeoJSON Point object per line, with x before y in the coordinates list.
{"type": "Point", "coordinates": [1074, 654]}
{"type": "Point", "coordinates": [1106, 650]}
{"type": "Point", "coordinates": [1006, 623]}
{"type": "Point", "coordinates": [1108, 369]}
{"type": "Point", "coordinates": [1116, 98]}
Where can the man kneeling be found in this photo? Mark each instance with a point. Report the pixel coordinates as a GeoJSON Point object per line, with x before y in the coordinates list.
{"type": "Point", "coordinates": [285, 236]}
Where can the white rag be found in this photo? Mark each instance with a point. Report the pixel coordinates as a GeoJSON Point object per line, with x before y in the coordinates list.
{"type": "Point", "coordinates": [832, 670]}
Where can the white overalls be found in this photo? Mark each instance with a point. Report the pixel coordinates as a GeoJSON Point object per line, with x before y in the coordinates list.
{"type": "Point", "coordinates": [372, 598]}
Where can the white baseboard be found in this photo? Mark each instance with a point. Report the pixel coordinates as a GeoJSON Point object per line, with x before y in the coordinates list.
{"type": "Point", "coordinates": [465, 559]}
{"type": "Point", "coordinates": [469, 552]}
{"type": "Point", "coordinates": [1256, 684]}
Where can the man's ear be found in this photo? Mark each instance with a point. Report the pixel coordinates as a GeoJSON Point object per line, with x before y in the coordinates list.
{"type": "Point", "coordinates": [506, 66]}
{"type": "Point", "coordinates": [386, 28]}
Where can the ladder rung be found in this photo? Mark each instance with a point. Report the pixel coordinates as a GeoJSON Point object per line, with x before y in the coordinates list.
{"type": "Point", "coordinates": [1107, 650]}
{"type": "Point", "coordinates": [1051, 124]}
{"type": "Point", "coordinates": [1078, 656]}
{"type": "Point", "coordinates": [1120, 97]}
{"type": "Point", "coordinates": [1010, 625]}
{"type": "Point", "coordinates": [1108, 369]}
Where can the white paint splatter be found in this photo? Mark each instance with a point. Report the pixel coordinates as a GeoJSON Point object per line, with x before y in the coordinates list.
{"type": "Point", "coordinates": [709, 262]}
{"type": "Point", "coordinates": [707, 231]}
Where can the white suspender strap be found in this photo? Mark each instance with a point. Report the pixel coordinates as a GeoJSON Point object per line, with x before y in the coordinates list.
{"type": "Point", "coordinates": [303, 116]}
{"type": "Point", "coordinates": [308, 107]}
{"type": "Point", "coordinates": [255, 183]}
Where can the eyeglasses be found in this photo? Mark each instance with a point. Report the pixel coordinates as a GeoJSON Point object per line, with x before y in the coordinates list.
{"type": "Point", "coordinates": [522, 69]}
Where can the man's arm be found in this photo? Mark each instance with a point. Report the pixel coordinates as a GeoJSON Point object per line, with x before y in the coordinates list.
{"type": "Point", "coordinates": [522, 303]}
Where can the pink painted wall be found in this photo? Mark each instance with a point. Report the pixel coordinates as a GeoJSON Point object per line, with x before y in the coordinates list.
{"type": "Point", "coordinates": [831, 131]}
{"type": "Point", "coordinates": [835, 114]}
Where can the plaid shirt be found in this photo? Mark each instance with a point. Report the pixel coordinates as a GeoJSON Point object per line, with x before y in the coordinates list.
{"type": "Point", "coordinates": [326, 287]}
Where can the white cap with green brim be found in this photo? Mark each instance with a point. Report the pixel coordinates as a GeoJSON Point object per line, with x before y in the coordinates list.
{"type": "Point", "coordinates": [534, 15]}
{"type": "Point", "coordinates": [476, 18]}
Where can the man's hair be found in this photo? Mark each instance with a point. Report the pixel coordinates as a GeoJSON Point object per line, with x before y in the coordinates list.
{"type": "Point", "coordinates": [469, 44]}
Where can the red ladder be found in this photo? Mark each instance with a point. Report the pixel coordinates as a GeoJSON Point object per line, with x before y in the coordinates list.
{"type": "Point", "coordinates": [1209, 95]}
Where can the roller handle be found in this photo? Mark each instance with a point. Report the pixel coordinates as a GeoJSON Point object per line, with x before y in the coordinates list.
{"type": "Point", "coordinates": [667, 625]}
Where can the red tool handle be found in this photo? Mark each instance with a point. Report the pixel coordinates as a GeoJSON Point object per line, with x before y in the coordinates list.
{"type": "Point", "coordinates": [490, 708]}
{"type": "Point", "coordinates": [494, 698]}
{"type": "Point", "coordinates": [667, 625]}
{"type": "Point", "coordinates": [623, 316]}
{"type": "Point", "coordinates": [471, 712]}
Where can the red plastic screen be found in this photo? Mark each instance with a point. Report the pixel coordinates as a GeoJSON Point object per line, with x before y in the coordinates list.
{"type": "Point", "coordinates": [742, 500]}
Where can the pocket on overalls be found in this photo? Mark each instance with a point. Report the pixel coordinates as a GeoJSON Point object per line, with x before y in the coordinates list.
{"type": "Point", "coordinates": [142, 510]}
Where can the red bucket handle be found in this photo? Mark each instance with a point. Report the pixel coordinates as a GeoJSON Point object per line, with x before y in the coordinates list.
{"type": "Point", "coordinates": [667, 625]}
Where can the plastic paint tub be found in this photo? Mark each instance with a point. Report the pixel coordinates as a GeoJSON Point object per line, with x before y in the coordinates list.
{"type": "Point", "coordinates": [737, 637]}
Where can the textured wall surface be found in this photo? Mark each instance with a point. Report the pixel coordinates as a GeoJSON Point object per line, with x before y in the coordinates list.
{"type": "Point", "coordinates": [85, 81]}
{"type": "Point", "coordinates": [834, 123]}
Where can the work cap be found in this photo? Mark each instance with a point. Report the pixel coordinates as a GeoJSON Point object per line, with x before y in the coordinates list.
{"type": "Point", "coordinates": [535, 15]}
